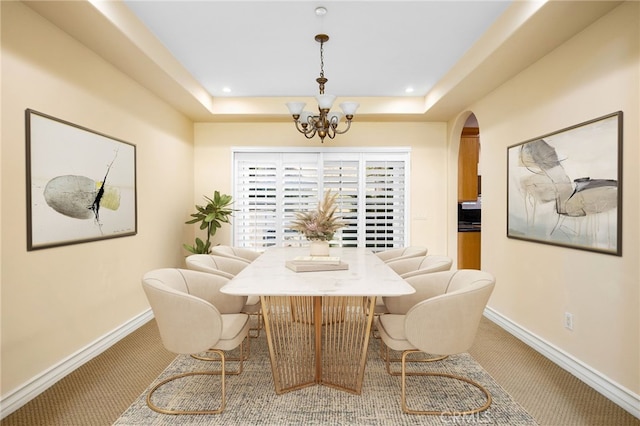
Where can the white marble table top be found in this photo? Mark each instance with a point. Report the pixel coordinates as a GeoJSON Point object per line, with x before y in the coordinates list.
{"type": "Point", "coordinates": [367, 276]}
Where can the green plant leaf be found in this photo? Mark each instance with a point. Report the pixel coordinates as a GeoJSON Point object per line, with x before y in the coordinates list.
{"type": "Point", "coordinates": [199, 248]}
{"type": "Point", "coordinates": [211, 217]}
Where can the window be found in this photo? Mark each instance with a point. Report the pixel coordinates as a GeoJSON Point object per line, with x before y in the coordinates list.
{"type": "Point", "coordinates": [270, 186]}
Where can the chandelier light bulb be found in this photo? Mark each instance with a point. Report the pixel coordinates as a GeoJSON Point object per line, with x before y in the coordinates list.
{"type": "Point", "coordinates": [349, 108]}
{"type": "Point", "coordinates": [295, 108]}
{"type": "Point", "coordinates": [325, 101]}
{"type": "Point", "coordinates": [335, 117]}
{"type": "Point", "coordinates": [304, 117]}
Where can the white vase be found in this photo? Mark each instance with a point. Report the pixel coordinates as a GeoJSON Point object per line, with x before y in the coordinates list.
{"type": "Point", "coordinates": [319, 248]}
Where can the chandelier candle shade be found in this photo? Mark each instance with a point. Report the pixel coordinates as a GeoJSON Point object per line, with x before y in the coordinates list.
{"type": "Point", "coordinates": [326, 122]}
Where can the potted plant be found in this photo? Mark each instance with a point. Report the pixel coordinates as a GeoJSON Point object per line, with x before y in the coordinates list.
{"type": "Point", "coordinates": [319, 225]}
{"type": "Point", "coordinates": [211, 216]}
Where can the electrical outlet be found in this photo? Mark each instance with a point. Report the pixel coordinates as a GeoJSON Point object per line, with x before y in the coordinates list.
{"type": "Point", "coordinates": [568, 321]}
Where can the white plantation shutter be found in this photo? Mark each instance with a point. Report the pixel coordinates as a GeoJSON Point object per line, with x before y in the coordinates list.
{"type": "Point", "coordinates": [255, 220]}
{"type": "Point", "coordinates": [385, 204]}
{"type": "Point", "coordinates": [343, 176]}
{"type": "Point", "coordinates": [300, 187]}
{"type": "Point", "coordinates": [270, 186]}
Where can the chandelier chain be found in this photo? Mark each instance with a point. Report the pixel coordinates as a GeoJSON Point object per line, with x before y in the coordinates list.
{"type": "Point", "coordinates": [322, 59]}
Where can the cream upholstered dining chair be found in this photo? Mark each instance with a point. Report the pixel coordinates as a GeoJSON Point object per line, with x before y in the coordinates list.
{"type": "Point", "coordinates": [411, 266]}
{"type": "Point", "coordinates": [237, 253]}
{"type": "Point", "coordinates": [229, 268]}
{"type": "Point", "coordinates": [402, 253]}
{"type": "Point", "coordinates": [420, 265]}
{"type": "Point", "coordinates": [193, 316]}
{"type": "Point", "coordinates": [440, 318]}
{"type": "Point", "coordinates": [220, 265]}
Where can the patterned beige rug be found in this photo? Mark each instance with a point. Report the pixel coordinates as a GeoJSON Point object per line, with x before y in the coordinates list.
{"type": "Point", "coordinates": [251, 399]}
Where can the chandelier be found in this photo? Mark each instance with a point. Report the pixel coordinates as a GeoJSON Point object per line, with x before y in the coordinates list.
{"type": "Point", "coordinates": [326, 122]}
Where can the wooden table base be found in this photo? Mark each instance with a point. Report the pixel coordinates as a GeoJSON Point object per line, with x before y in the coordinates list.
{"type": "Point", "coordinates": [318, 340]}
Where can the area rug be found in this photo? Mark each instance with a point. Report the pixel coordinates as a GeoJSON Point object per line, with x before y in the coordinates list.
{"type": "Point", "coordinates": [251, 399]}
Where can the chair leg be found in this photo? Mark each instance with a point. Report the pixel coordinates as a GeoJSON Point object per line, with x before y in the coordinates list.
{"type": "Point", "coordinates": [218, 410]}
{"type": "Point", "coordinates": [374, 326]}
{"type": "Point", "coordinates": [384, 354]}
{"type": "Point", "coordinates": [380, 309]}
{"type": "Point", "coordinates": [258, 327]}
{"type": "Point", "coordinates": [240, 359]}
{"type": "Point", "coordinates": [408, 410]}
{"type": "Point", "coordinates": [254, 311]}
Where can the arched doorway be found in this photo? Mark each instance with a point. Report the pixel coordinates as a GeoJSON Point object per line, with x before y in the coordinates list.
{"type": "Point", "coordinates": [469, 196]}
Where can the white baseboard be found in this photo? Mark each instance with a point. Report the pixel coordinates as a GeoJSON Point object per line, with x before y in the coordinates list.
{"type": "Point", "coordinates": [613, 391]}
{"type": "Point", "coordinates": [25, 393]}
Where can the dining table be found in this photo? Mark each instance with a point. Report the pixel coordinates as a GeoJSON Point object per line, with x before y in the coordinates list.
{"type": "Point", "coordinates": [318, 322]}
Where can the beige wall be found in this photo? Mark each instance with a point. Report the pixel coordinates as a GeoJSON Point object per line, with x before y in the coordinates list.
{"type": "Point", "coordinates": [593, 74]}
{"type": "Point", "coordinates": [213, 143]}
{"type": "Point", "coordinates": [57, 301]}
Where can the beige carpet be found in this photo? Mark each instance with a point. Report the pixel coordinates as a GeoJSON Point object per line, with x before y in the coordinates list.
{"type": "Point", "coordinates": [251, 399]}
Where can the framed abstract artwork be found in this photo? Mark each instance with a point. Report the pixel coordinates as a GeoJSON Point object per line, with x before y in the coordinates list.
{"type": "Point", "coordinates": [81, 185]}
{"type": "Point", "coordinates": [565, 188]}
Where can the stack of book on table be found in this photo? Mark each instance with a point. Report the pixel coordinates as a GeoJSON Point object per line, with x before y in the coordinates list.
{"type": "Point", "coordinates": [316, 263]}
